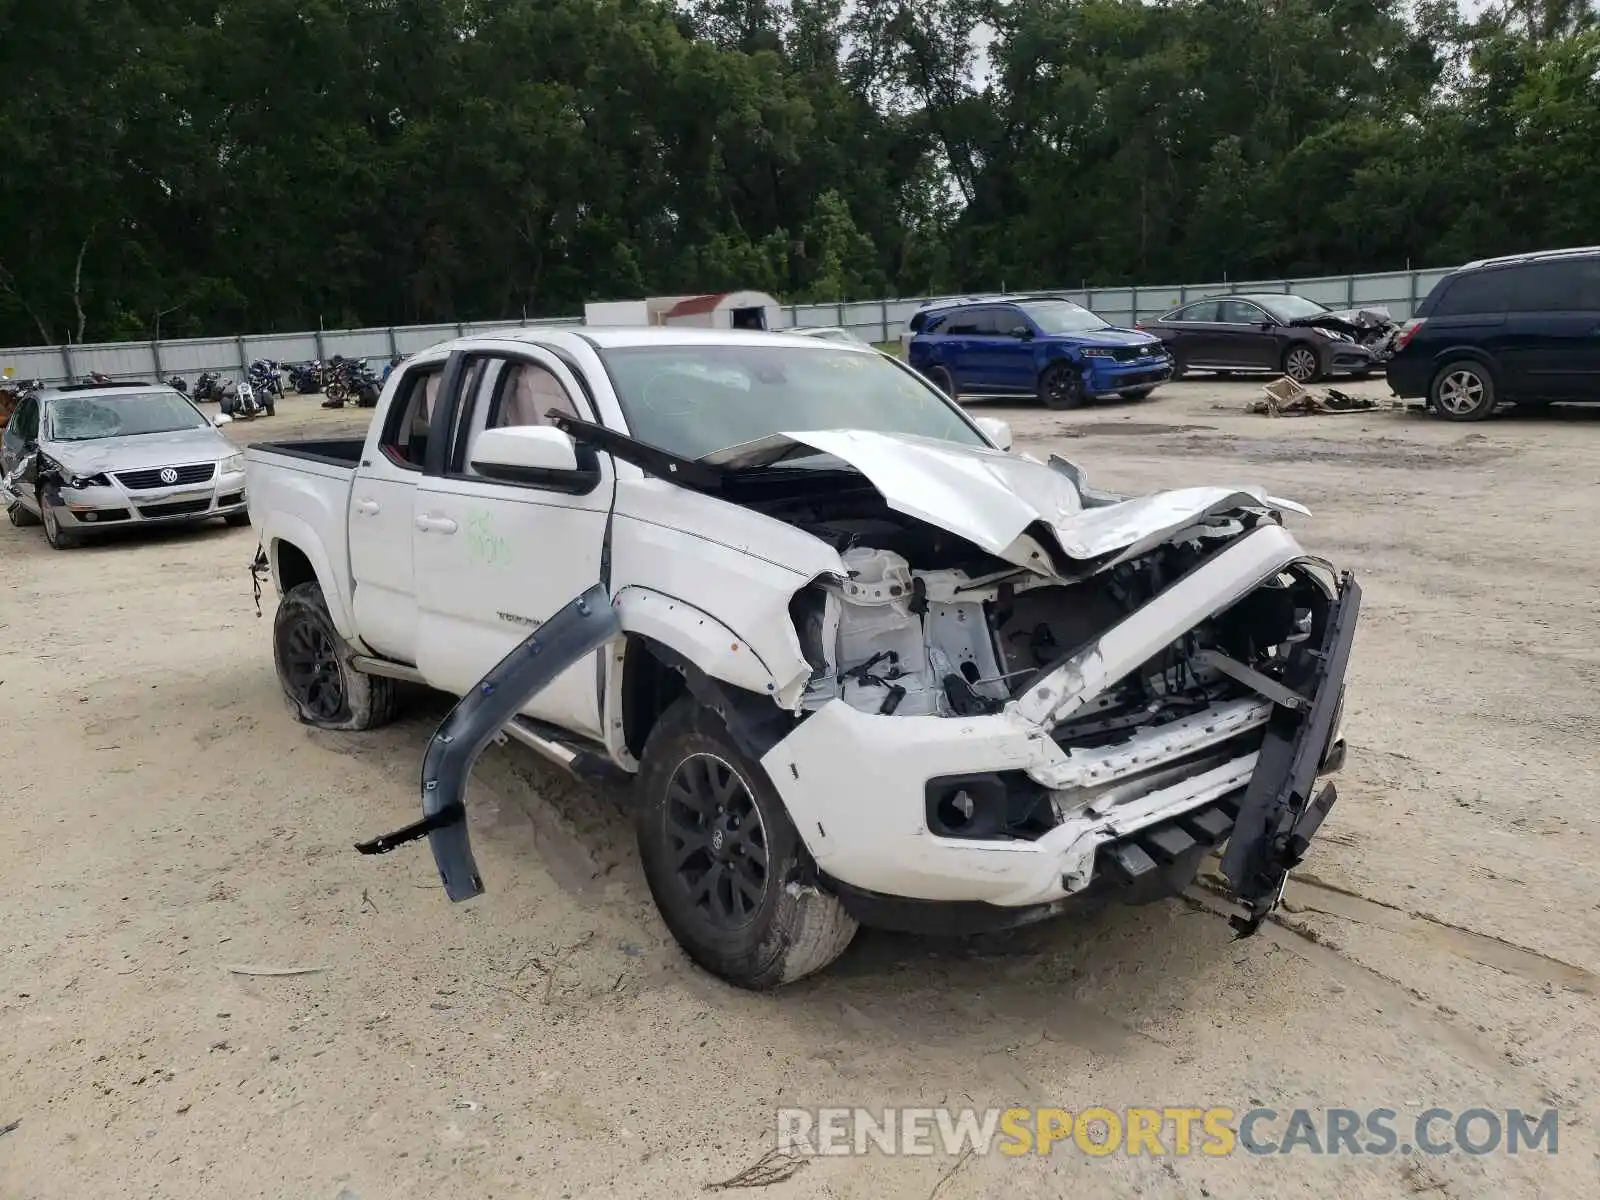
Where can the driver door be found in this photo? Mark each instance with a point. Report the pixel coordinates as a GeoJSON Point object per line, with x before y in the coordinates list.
{"type": "Point", "coordinates": [20, 433]}
{"type": "Point", "coordinates": [495, 559]}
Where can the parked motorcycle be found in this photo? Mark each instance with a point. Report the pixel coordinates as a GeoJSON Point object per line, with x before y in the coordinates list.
{"type": "Point", "coordinates": [243, 402]}
{"type": "Point", "coordinates": [307, 377]}
{"type": "Point", "coordinates": [265, 375]}
{"type": "Point", "coordinates": [351, 380]}
{"type": "Point", "coordinates": [207, 387]}
{"type": "Point", "coordinates": [178, 383]}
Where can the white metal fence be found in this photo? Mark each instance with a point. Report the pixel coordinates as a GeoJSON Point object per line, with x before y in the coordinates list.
{"type": "Point", "coordinates": [874, 320]}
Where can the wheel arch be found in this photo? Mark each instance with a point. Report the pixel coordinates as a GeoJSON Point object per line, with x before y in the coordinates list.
{"type": "Point", "coordinates": [667, 643]}
{"type": "Point", "coordinates": [297, 557]}
{"type": "Point", "coordinates": [1443, 358]}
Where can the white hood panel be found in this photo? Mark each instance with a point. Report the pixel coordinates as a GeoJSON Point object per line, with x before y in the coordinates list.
{"type": "Point", "coordinates": [990, 497]}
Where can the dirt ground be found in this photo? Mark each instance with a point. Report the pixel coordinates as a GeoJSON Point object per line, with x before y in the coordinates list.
{"type": "Point", "coordinates": [167, 820]}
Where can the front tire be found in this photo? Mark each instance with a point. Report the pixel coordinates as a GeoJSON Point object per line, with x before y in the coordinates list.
{"type": "Point", "coordinates": [1061, 386]}
{"type": "Point", "coordinates": [724, 862]}
{"type": "Point", "coordinates": [1136, 393]}
{"type": "Point", "coordinates": [58, 538]}
{"type": "Point", "coordinates": [236, 520]}
{"type": "Point", "coordinates": [314, 669]}
{"type": "Point", "coordinates": [1462, 391]}
{"type": "Point", "coordinates": [1301, 364]}
{"type": "Point", "coordinates": [944, 381]}
{"type": "Point", "coordinates": [21, 517]}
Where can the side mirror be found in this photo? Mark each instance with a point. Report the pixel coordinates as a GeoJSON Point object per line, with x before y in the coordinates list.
{"type": "Point", "coordinates": [1022, 333]}
{"type": "Point", "coordinates": [996, 430]}
{"type": "Point", "coordinates": [538, 456]}
{"type": "Point", "coordinates": [220, 419]}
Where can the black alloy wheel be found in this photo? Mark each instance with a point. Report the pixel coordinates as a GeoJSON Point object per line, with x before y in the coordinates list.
{"type": "Point", "coordinates": [312, 672]}
{"type": "Point", "coordinates": [718, 840]}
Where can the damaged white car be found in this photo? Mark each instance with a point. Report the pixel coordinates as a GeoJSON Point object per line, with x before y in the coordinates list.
{"type": "Point", "coordinates": [861, 663]}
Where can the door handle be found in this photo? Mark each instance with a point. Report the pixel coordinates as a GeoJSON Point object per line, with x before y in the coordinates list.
{"type": "Point", "coordinates": [367, 508]}
{"type": "Point", "coordinates": [429, 524]}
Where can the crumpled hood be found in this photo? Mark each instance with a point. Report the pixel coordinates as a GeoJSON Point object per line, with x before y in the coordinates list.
{"type": "Point", "coordinates": [998, 501]}
{"type": "Point", "coordinates": [1350, 320]}
{"type": "Point", "coordinates": [203, 444]}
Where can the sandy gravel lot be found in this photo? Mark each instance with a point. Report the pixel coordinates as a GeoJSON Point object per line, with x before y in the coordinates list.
{"type": "Point", "coordinates": [165, 819]}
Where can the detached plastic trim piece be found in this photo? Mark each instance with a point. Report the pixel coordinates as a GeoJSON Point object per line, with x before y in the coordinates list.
{"type": "Point", "coordinates": [580, 628]}
{"type": "Point", "coordinates": [1279, 814]}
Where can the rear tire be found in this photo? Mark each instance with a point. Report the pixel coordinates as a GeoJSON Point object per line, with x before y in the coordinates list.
{"type": "Point", "coordinates": [314, 669]}
{"type": "Point", "coordinates": [724, 863]}
{"type": "Point", "coordinates": [1061, 386]}
{"type": "Point", "coordinates": [1462, 391]}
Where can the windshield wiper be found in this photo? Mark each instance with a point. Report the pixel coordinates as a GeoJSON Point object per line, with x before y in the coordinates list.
{"type": "Point", "coordinates": [663, 464]}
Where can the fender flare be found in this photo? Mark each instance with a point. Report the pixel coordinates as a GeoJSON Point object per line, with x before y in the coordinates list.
{"type": "Point", "coordinates": [705, 641]}
{"type": "Point", "coordinates": [285, 528]}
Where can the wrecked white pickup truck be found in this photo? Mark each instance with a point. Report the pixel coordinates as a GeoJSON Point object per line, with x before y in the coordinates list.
{"type": "Point", "coordinates": [877, 669]}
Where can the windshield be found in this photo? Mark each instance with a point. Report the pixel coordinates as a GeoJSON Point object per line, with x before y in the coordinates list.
{"type": "Point", "coordinates": [693, 400]}
{"type": "Point", "coordinates": [1290, 308]}
{"type": "Point", "coordinates": [1062, 316]}
{"type": "Point", "coordinates": [86, 418]}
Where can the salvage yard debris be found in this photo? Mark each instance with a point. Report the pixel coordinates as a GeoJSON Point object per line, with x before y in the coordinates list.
{"type": "Point", "coordinates": [1286, 398]}
{"type": "Point", "coordinates": [775, 1166]}
{"type": "Point", "coordinates": [275, 972]}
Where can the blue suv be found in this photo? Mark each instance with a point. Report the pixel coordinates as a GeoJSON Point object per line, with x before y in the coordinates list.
{"type": "Point", "coordinates": [1036, 346]}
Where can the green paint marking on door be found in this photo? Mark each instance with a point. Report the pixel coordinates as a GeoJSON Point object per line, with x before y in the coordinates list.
{"type": "Point", "coordinates": [484, 545]}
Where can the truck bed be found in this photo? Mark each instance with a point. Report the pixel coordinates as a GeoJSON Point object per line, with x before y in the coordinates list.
{"type": "Point", "coordinates": [336, 452]}
{"type": "Point", "coordinates": [299, 491]}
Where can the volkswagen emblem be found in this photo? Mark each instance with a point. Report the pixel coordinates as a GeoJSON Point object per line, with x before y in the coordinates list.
{"type": "Point", "coordinates": [168, 475]}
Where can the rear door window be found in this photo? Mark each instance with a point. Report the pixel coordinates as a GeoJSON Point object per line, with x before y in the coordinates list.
{"type": "Point", "coordinates": [1200, 310]}
{"type": "Point", "coordinates": [405, 431]}
{"type": "Point", "coordinates": [968, 321]}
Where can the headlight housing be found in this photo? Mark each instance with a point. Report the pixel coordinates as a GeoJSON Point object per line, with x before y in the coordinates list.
{"type": "Point", "coordinates": [232, 465]}
{"type": "Point", "coordinates": [88, 481]}
{"type": "Point", "coordinates": [1096, 352]}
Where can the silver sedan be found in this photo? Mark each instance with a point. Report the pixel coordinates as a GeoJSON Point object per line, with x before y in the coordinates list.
{"type": "Point", "coordinates": [83, 459]}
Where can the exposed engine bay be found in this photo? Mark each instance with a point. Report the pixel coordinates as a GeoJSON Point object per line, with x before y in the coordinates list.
{"type": "Point", "coordinates": [926, 625]}
{"type": "Point", "coordinates": [1373, 327]}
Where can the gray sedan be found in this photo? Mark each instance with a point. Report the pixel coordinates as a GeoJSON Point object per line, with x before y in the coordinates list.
{"type": "Point", "coordinates": [82, 459]}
